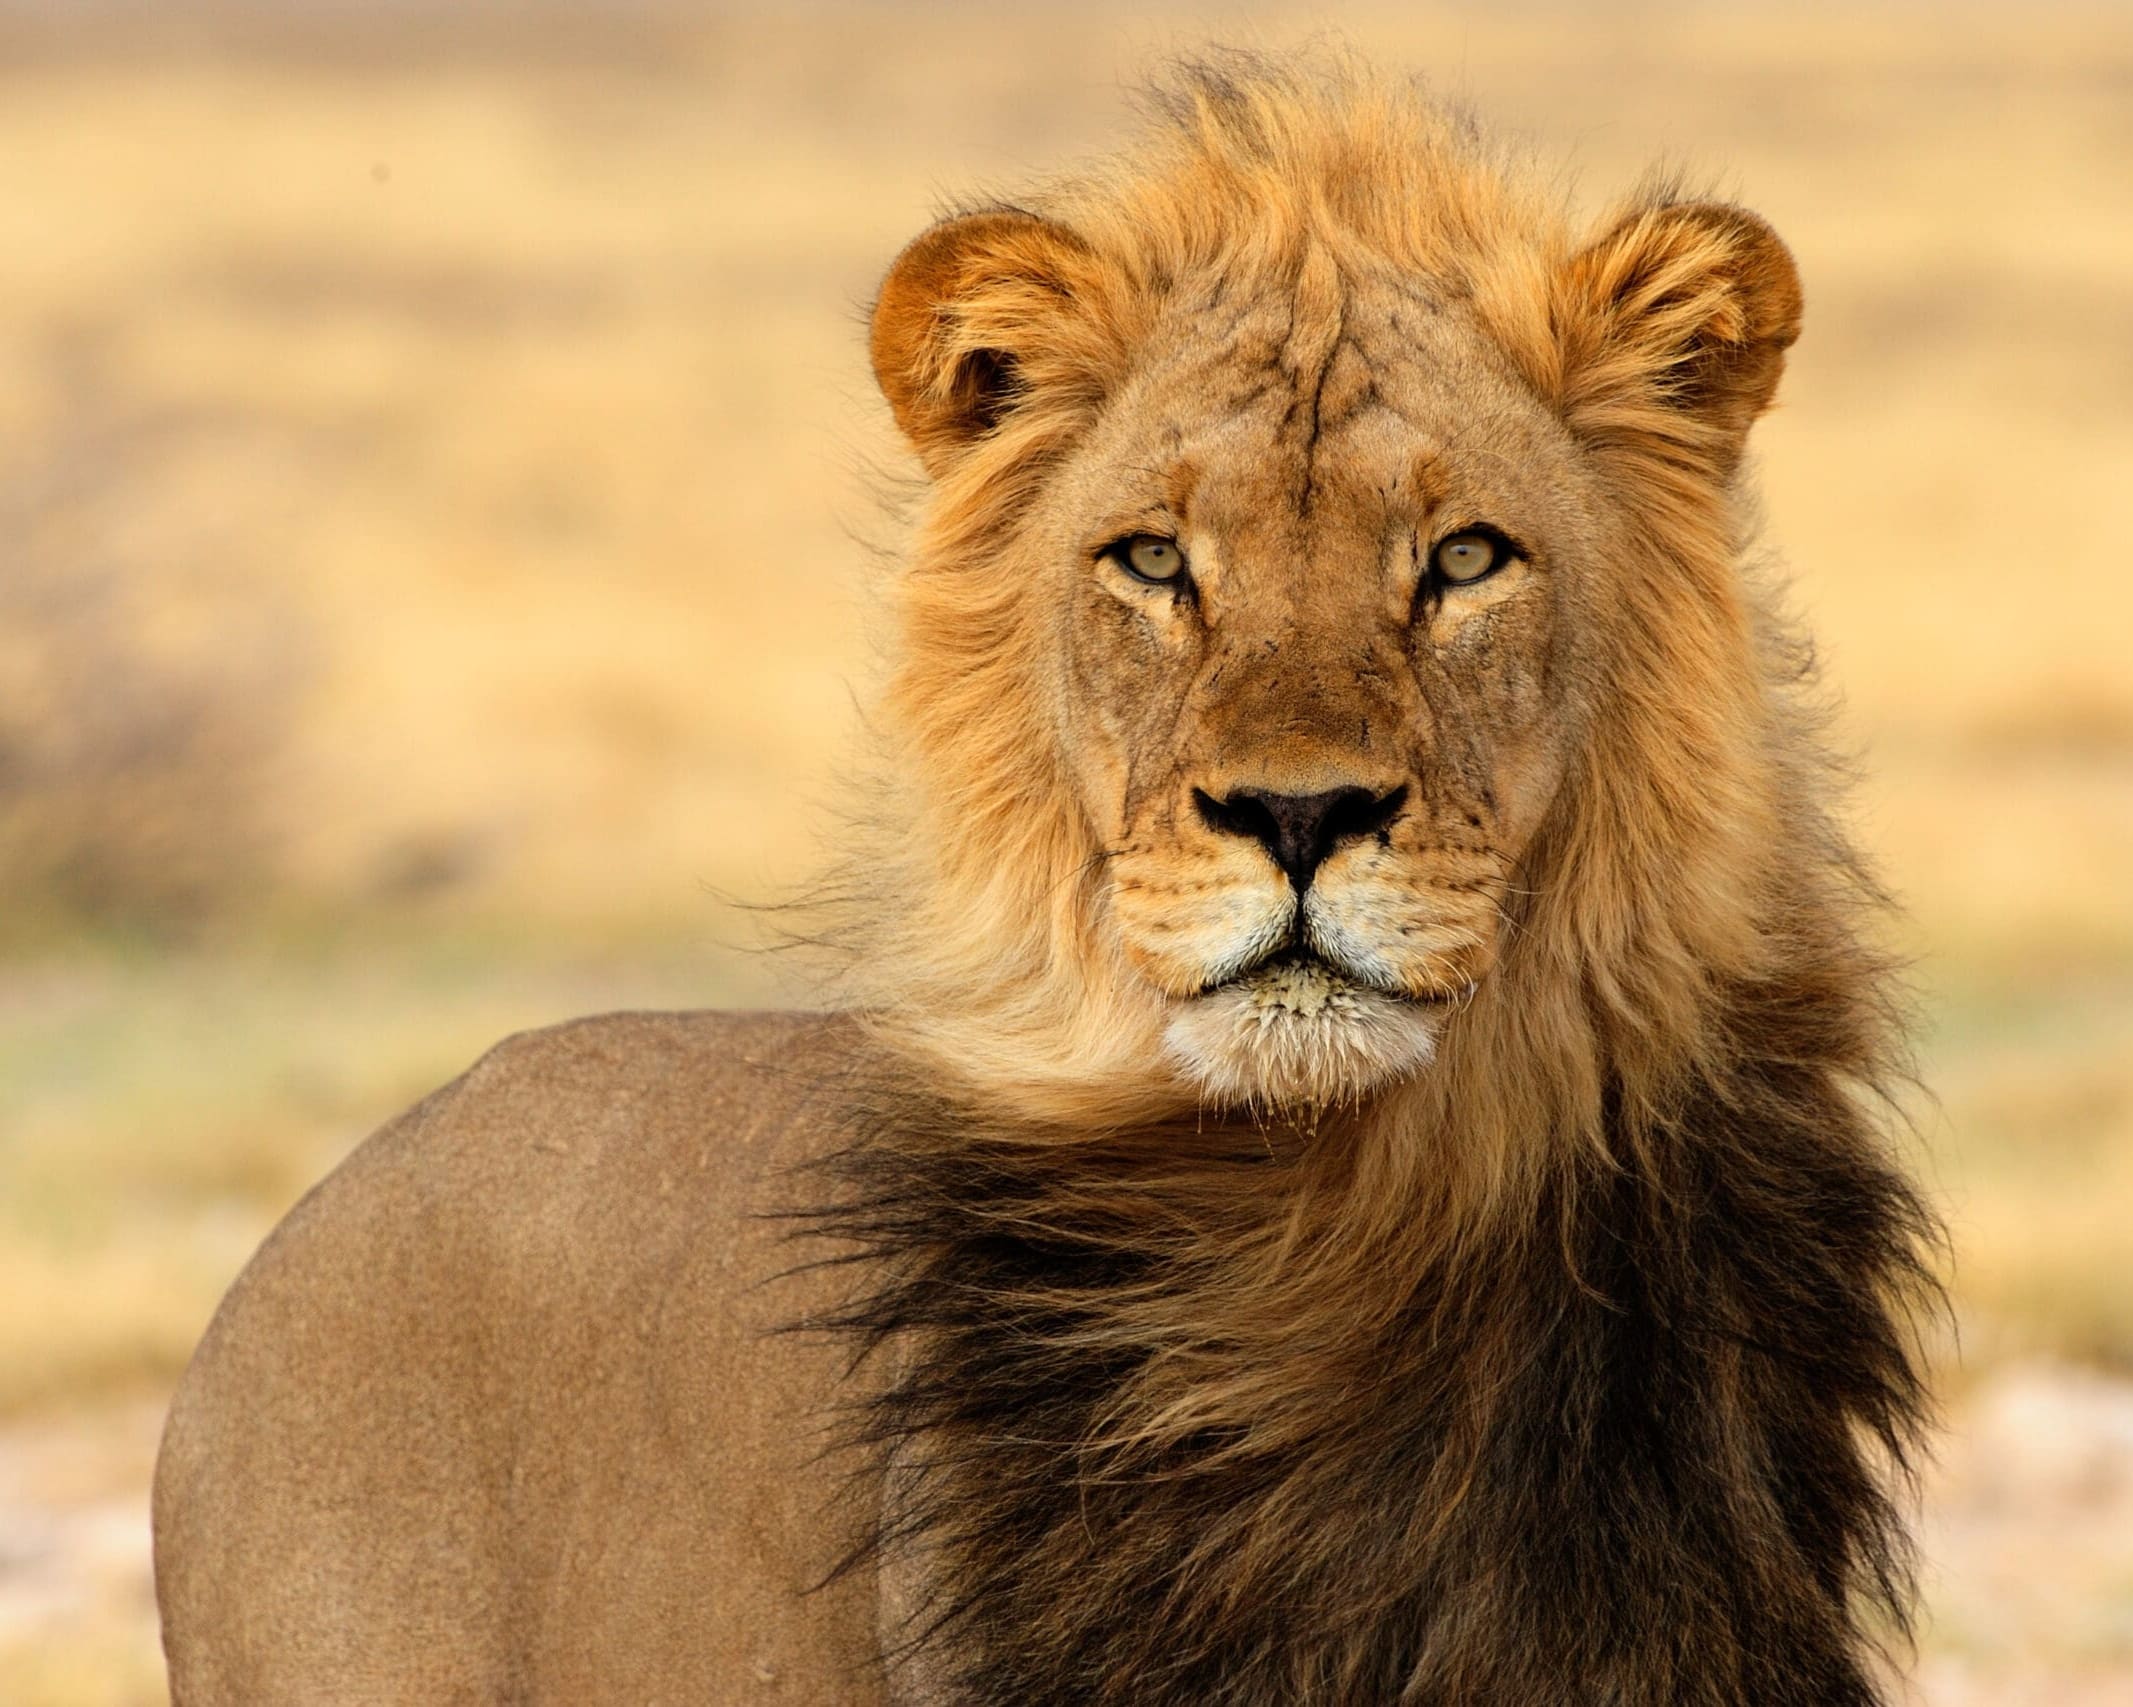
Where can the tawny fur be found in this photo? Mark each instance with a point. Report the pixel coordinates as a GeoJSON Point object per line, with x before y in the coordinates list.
{"type": "Point", "coordinates": [1472, 1271]}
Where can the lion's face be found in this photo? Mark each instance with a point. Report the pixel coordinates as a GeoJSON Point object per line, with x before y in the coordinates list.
{"type": "Point", "coordinates": [1309, 599]}
{"type": "Point", "coordinates": [1302, 577]}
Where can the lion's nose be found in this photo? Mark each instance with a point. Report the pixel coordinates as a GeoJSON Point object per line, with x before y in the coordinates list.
{"type": "Point", "coordinates": [1300, 830]}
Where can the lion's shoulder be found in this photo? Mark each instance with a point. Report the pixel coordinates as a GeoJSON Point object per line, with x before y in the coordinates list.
{"type": "Point", "coordinates": [585, 1129]}
{"type": "Point", "coordinates": [645, 1079]}
{"type": "Point", "coordinates": [570, 1251]}
{"type": "Point", "coordinates": [576, 1162]}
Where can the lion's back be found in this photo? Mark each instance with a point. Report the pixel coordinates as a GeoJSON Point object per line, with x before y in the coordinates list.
{"type": "Point", "coordinates": [501, 1401]}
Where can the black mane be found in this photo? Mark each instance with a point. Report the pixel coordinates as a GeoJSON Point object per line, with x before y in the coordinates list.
{"type": "Point", "coordinates": [1638, 1450]}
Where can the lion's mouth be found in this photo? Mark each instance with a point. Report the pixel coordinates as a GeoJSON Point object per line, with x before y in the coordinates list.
{"type": "Point", "coordinates": [1295, 980]}
{"type": "Point", "coordinates": [1298, 1027]}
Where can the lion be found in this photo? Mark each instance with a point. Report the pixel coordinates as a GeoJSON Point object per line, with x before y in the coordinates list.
{"type": "Point", "coordinates": [1351, 1163]}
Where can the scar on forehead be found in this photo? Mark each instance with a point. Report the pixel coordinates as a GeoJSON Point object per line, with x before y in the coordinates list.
{"type": "Point", "coordinates": [1430, 477]}
{"type": "Point", "coordinates": [1346, 385]}
{"type": "Point", "coordinates": [1179, 484]}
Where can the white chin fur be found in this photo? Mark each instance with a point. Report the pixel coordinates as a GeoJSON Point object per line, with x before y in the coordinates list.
{"type": "Point", "coordinates": [1294, 1035]}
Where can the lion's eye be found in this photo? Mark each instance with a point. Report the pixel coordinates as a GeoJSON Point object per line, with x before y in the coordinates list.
{"type": "Point", "coordinates": [1464, 557]}
{"type": "Point", "coordinates": [1150, 557]}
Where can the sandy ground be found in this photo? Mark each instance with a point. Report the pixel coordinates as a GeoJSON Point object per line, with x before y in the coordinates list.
{"type": "Point", "coordinates": [77, 1610]}
{"type": "Point", "coordinates": [2027, 1537]}
{"type": "Point", "coordinates": [2028, 1545]}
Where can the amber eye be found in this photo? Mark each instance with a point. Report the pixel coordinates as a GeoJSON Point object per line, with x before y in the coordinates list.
{"type": "Point", "coordinates": [1464, 557]}
{"type": "Point", "coordinates": [1150, 557]}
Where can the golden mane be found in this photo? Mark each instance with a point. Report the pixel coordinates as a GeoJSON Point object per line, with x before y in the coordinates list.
{"type": "Point", "coordinates": [1267, 1373]}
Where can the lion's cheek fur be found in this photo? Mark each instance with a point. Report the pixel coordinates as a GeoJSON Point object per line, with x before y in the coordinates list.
{"type": "Point", "coordinates": [1187, 921]}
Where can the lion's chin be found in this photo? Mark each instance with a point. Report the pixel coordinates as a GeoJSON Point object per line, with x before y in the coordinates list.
{"type": "Point", "coordinates": [1298, 1035]}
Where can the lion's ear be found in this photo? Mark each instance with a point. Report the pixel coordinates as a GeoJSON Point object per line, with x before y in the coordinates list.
{"type": "Point", "coordinates": [980, 313]}
{"type": "Point", "coordinates": [1692, 306]}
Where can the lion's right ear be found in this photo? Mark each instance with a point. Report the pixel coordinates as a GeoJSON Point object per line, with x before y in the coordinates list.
{"type": "Point", "coordinates": [983, 313]}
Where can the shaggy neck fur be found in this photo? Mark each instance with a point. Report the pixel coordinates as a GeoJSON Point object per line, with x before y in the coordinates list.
{"type": "Point", "coordinates": [1185, 1416]}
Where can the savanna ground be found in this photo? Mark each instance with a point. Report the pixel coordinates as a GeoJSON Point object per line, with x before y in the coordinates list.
{"type": "Point", "coordinates": [430, 458]}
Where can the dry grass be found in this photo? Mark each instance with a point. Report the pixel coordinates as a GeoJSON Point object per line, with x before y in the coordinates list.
{"type": "Point", "coordinates": [428, 457]}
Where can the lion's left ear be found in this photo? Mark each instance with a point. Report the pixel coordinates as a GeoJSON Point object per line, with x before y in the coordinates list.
{"type": "Point", "coordinates": [1690, 307]}
{"type": "Point", "coordinates": [983, 314]}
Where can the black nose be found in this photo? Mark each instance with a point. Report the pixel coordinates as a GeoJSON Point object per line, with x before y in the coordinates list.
{"type": "Point", "coordinates": [1299, 830]}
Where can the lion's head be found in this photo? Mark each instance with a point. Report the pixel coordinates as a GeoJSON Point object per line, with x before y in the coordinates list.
{"type": "Point", "coordinates": [1324, 635]}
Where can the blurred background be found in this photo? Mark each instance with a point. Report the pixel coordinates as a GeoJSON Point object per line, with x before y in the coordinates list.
{"type": "Point", "coordinates": [434, 591]}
